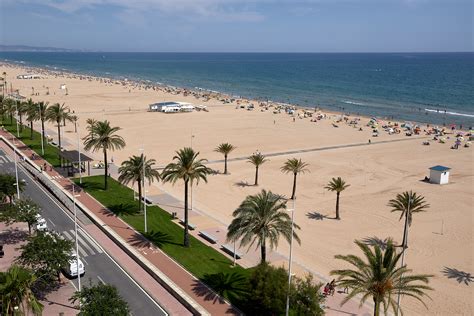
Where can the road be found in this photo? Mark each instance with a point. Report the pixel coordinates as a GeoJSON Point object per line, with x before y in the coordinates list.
{"type": "Point", "coordinates": [99, 266]}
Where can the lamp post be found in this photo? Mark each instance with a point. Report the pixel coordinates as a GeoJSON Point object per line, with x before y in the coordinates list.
{"type": "Point", "coordinates": [16, 119]}
{"type": "Point", "coordinates": [192, 197]}
{"type": "Point", "coordinates": [42, 132]}
{"type": "Point", "coordinates": [144, 189]}
{"type": "Point", "coordinates": [79, 151]}
{"type": "Point", "coordinates": [404, 246]}
{"type": "Point", "coordinates": [75, 231]}
{"type": "Point", "coordinates": [16, 169]}
{"type": "Point", "coordinates": [290, 258]}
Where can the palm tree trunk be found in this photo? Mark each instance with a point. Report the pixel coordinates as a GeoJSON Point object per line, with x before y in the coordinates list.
{"type": "Point", "coordinates": [256, 175]}
{"type": "Point", "coordinates": [21, 122]}
{"type": "Point", "coordinates": [42, 129]}
{"type": "Point", "coordinates": [106, 170]}
{"type": "Point", "coordinates": [186, 229]}
{"type": "Point", "coordinates": [59, 138]}
{"type": "Point", "coordinates": [376, 307]}
{"type": "Point", "coordinates": [225, 164]}
{"type": "Point", "coordinates": [405, 233]}
{"type": "Point", "coordinates": [294, 187]}
{"type": "Point", "coordinates": [263, 253]}
{"type": "Point", "coordinates": [31, 130]}
{"type": "Point", "coordinates": [337, 205]}
{"type": "Point", "coordinates": [139, 194]}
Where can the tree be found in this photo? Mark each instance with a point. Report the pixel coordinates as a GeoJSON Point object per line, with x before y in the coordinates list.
{"type": "Point", "coordinates": [103, 137]}
{"type": "Point", "coordinates": [8, 186]}
{"type": "Point", "coordinates": [46, 253]}
{"type": "Point", "coordinates": [408, 203]}
{"type": "Point", "coordinates": [31, 110]}
{"type": "Point", "coordinates": [41, 116]}
{"type": "Point", "coordinates": [337, 185]}
{"type": "Point", "coordinates": [21, 111]}
{"type": "Point", "coordinates": [23, 211]}
{"type": "Point", "coordinates": [189, 168]}
{"type": "Point", "coordinates": [257, 159]}
{"type": "Point", "coordinates": [100, 299]}
{"type": "Point", "coordinates": [16, 291]}
{"type": "Point", "coordinates": [9, 107]}
{"type": "Point", "coordinates": [57, 113]}
{"type": "Point", "coordinates": [260, 218]}
{"type": "Point", "coordinates": [379, 277]}
{"type": "Point", "coordinates": [133, 169]}
{"type": "Point", "coordinates": [225, 149]}
{"type": "Point", "coordinates": [294, 166]}
{"type": "Point", "coordinates": [306, 299]}
{"type": "Point", "coordinates": [74, 119]}
{"type": "Point", "coordinates": [91, 123]}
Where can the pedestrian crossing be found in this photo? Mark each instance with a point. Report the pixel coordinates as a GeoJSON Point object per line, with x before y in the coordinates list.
{"type": "Point", "coordinates": [56, 177]}
{"type": "Point", "coordinates": [87, 247]}
{"type": "Point", "coordinates": [5, 159]}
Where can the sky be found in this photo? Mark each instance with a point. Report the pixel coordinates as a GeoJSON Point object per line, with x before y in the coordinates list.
{"type": "Point", "coordinates": [240, 25]}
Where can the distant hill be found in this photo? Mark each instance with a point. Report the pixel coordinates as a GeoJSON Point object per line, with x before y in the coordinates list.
{"type": "Point", "coordinates": [25, 48]}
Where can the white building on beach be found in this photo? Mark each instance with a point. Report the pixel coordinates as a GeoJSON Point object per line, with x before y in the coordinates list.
{"type": "Point", "coordinates": [439, 174]}
{"type": "Point", "coordinates": [171, 107]}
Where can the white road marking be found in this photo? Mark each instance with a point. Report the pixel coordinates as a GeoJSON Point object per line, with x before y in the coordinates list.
{"type": "Point", "coordinates": [93, 244]}
{"type": "Point", "coordinates": [86, 233]}
{"type": "Point", "coordinates": [100, 279]}
{"type": "Point", "coordinates": [52, 223]}
{"type": "Point", "coordinates": [70, 236]}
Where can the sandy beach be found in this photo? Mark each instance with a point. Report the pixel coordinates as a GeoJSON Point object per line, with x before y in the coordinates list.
{"type": "Point", "coordinates": [440, 238]}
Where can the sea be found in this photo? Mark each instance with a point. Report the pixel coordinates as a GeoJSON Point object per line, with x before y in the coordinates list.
{"type": "Point", "coordinates": [419, 87]}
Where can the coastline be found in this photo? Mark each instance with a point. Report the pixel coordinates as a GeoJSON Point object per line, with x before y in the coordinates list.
{"type": "Point", "coordinates": [375, 173]}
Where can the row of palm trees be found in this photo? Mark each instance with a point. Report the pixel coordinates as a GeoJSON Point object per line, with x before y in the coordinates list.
{"type": "Point", "coordinates": [57, 114]}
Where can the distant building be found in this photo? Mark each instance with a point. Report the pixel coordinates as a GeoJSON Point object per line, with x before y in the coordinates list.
{"type": "Point", "coordinates": [439, 174]}
{"type": "Point", "coordinates": [171, 107]}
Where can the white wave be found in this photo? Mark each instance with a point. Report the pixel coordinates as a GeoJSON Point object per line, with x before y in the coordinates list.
{"type": "Point", "coordinates": [449, 113]}
{"type": "Point", "coordinates": [352, 102]}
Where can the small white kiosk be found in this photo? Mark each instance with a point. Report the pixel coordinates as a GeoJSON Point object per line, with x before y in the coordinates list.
{"type": "Point", "coordinates": [439, 174]}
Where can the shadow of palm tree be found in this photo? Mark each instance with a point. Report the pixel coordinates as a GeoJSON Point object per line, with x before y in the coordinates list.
{"type": "Point", "coordinates": [376, 241]}
{"type": "Point", "coordinates": [160, 239]}
{"type": "Point", "coordinates": [13, 236]}
{"type": "Point", "coordinates": [123, 209]}
{"type": "Point", "coordinates": [44, 286]}
{"type": "Point", "coordinates": [242, 184]}
{"type": "Point", "coordinates": [318, 216]}
{"type": "Point", "coordinates": [232, 286]}
{"type": "Point", "coordinates": [460, 276]}
{"type": "Point", "coordinates": [92, 186]}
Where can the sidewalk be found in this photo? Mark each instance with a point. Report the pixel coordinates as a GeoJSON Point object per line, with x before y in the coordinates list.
{"type": "Point", "coordinates": [183, 279]}
{"type": "Point", "coordinates": [56, 301]}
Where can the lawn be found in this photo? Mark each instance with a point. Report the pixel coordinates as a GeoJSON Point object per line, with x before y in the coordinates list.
{"type": "Point", "coordinates": [201, 260]}
{"type": "Point", "coordinates": [50, 152]}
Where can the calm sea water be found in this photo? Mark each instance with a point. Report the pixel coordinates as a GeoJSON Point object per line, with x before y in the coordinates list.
{"type": "Point", "coordinates": [423, 87]}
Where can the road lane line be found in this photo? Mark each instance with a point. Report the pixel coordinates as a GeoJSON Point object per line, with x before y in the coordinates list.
{"type": "Point", "coordinates": [84, 244]}
{"type": "Point", "coordinates": [52, 223]}
{"type": "Point", "coordinates": [25, 172]}
{"type": "Point", "coordinates": [93, 244]}
{"type": "Point", "coordinates": [100, 279]}
{"type": "Point", "coordinates": [70, 235]}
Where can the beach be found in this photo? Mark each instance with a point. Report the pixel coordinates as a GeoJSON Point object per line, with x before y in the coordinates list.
{"type": "Point", "coordinates": [438, 239]}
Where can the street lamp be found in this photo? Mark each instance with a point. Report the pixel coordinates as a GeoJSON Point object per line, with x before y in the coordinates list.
{"type": "Point", "coordinates": [289, 260]}
{"type": "Point", "coordinates": [16, 169]}
{"type": "Point", "coordinates": [79, 151]}
{"type": "Point", "coordinates": [192, 197]}
{"type": "Point", "coordinates": [42, 132]}
{"type": "Point", "coordinates": [75, 229]}
{"type": "Point", "coordinates": [16, 119]}
{"type": "Point", "coordinates": [404, 246]}
{"type": "Point", "coordinates": [144, 190]}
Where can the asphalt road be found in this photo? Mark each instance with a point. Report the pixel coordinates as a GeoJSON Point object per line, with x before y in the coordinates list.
{"type": "Point", "coordinates": [99, 266]}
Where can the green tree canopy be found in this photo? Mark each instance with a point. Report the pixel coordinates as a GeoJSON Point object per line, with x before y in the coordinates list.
{"type": "Point", "coordinates": [189, 168]}
{"type": "Point", "coordinates": [295, 167]}
{"type": "Point", "coordinates": [259, 219]}
{"type": "Point", "coordinates": [46, 253]}
{"type": "Point", "coordinates": [100, 299]}
{"type": "Point", "coordinates": [103, 137]}
{"type": "Point", "coordinates": [337, 185]}
{"type": "Point", "coordinates": [58, 113]}
{"type": "Point", "coordinates": [8, 186]}
{"type": "Point", "coordinates": [225, 149]}
{"type": "Point", "coordinates": [23, 211]}
{"type": "Point", "coordinates": [379, 278]}
{"type": "Point", "coordinates": [16, 291]}
{"type": "Point", "coordinates": [133, 170]}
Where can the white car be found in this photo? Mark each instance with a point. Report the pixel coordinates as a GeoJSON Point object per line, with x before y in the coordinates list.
{"type": "Point", "coordinates": [71, 270]}
{"type": "Point", "coordinates": [41, 223]}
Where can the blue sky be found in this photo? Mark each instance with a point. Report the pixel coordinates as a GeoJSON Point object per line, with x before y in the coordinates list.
{"type": "Point", "coordinates": [240, 25]}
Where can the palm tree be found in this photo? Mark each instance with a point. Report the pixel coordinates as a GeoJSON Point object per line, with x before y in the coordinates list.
{"type": "Point", "coordinates": [133, 169]}
{"type": "Point", "coordinates": [294, 166]}
{"type": "Point", "coordinates": [408, 203]}
{"type": "Point", "coordinates": [225, 149]}
{"type": "Point", "coordinates": [31, 109]}
{"type": "Point", "coordinates": [103, 137]}
{"type": "Point", "coordinates": [259, 218]}
{"type": "Point", "coordinates": [40, 115]}
{"type": "Point", "coordinates": [9, 107]}
{"type": "Point", "coordinates": [380, 278]}
{"type": "Point", "coordinates": [21, 110]}
{"type": "Point", "coordinates": [57, 113]}
{"type": "Point", "coordinates": [337, 185]}
{"type": "Point", "coordinates": [16, 292]}
{"type": "Point", "coordinates": [189, 168]}
{"type": "Point", "coordinates": [90, 126]}
{"type": "Point", "coordinates": [257, 159]}
{"type": "Point", "coordinates": [74, 119]}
